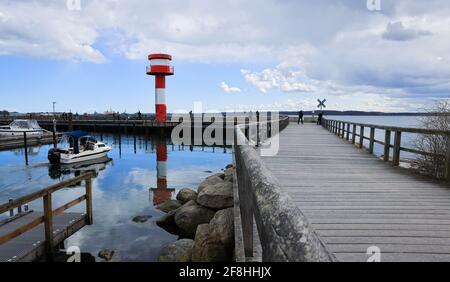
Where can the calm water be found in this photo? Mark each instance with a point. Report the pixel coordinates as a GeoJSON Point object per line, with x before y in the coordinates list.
{"type": "Point", "coordinates": [123, 188]}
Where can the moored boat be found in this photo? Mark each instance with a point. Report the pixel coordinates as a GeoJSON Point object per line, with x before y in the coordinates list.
{"type": "Point", "coordinates": [77, 146]}
{"type": "Point", "coordinates": [19, 126]}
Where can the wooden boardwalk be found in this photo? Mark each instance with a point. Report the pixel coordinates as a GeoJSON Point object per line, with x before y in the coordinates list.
{"type": "Point", "coordinates": [354, 200]}
{"type": "Point", "coordinates": [30, 246]}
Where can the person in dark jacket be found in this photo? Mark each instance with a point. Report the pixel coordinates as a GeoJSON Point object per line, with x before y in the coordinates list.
{"type": "Point", "coordinates": [319, 119]}
{"type": "Point", "coordinates": [300, 117]}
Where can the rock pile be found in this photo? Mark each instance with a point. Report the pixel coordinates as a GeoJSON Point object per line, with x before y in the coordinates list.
{"type": "Point", "coordinates": [204, 221]}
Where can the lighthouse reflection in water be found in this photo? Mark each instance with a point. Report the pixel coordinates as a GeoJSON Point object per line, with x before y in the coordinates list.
{"type": "Point", "coordinates": [161, 192]}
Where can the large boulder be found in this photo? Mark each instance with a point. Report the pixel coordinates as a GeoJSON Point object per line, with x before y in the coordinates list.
{"type": "Point", "coordinates": [220, 174]}
{"type": "Point", "coordinates": [180, 251]}
{"type": "Point", "coordinates": [185, 195]}
{"type": "Point", "coordinates": [206, 248]}
{"type": "Point", "coordinates": [167, 222]}
{"type": "Point", "coordinates": [218, 196]}
{"type": "Point", "coordinates": [169, 205]}
{"type": "Point", "coordinates": [190, 203]}
{"type": "Point", "coordinates": [221, 227]}
{"type": "Point", "coordinates": [188, 217]}
{"type": "Point", "coordinates": [212, 180]}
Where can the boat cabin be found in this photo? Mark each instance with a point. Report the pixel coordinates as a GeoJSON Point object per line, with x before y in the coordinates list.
{"type": "Point", "coordinates": [78, 141]}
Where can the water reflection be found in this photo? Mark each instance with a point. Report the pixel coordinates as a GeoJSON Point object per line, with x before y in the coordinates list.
{"type": "Point", "coordinates": [143, 172]}
{"type": "Point", "coordinates": [76, 169]}
{"type": "Point", "coordinates": [161, 193]}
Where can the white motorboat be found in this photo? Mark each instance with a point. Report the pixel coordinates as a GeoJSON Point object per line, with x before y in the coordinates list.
{"type": "Point", "coordinates": [76, 147]}
{"type": "Point", "coordinates": [19, 126]}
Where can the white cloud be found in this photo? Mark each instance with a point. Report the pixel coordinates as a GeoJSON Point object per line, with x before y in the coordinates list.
{"type": "Point", "coordinates": [398, 32]}
{"type": "Point", "coordinates": [46, 30]}
{"type": "Point", "coordinates": [280, 79]}
{"type": "Point", "coordinates": [229, 89]}
{"type": "Point", "coordinates": [314, 46]}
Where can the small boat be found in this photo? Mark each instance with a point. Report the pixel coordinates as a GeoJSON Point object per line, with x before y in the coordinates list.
{"type": "Point", "coordinates": [19, 126]}
{"type": "Point", "coordinates": [77, 146]}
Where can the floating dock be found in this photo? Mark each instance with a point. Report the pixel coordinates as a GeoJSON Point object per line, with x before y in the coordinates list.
{"type": "Point", "coordinates": [30, 235]}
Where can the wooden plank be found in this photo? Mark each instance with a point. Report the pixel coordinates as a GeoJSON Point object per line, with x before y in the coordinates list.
{"type": "Point", "coordinates": [30, 245]}
{"type": "Point", "coordinates": [22, 229]}
{"type": "Point", "coordinates": [394, 257]}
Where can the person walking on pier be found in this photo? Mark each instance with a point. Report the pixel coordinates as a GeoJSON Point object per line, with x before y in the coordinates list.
{"type": "Point", "coordinates": [300, 117]}
{"type": "Point", "coordinates": [319, 119]}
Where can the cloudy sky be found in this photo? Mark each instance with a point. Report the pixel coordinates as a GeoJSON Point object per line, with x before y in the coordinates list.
{"type": "Point", "coordinates": [90, 55]}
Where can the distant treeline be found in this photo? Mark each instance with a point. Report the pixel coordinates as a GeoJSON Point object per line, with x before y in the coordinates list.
{"type": "Point", "coordinates": [360, 113]}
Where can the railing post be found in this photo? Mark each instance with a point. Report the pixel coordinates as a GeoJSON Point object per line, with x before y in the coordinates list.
{"type": "Point", "coordinates": [257, 130]}
{"type": "Point", "coordinates": [90, 218]}
{"type": "Point", "coordinates": [397, 146]}
{"type": "Point", "coordinates": [247, 129]}
{"type": "Point", "coordinates": [372, 139]}
{"type": "Point", "coordinates": [48, 225]}
{"type": "Point", "coordinates": [447, 160]}
{"type": "Point", "coordinates": [54, 136]}
{"type": "Point", "coordinates": [348, 131]}
{"type": "Point", "coordinates": [25, 144]}
{"type": "Point", "coordinates": [387, 145]}
{"type": "Point", "coordinates": [354, 134]}
{"type": "Point", "coordinates": [11, 211]}
{"type": "Point", "coordinates": [361, 137]}
{"type": "Point", "coordinates": [343, 130]}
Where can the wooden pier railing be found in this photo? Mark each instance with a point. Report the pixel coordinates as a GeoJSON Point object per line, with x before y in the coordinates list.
{"type": "Point", "coordinates": [49, 212]}
{"type": "Point", "coordinates": [284, 232]}
{"type": "Point", "coordinates": [353, 130]}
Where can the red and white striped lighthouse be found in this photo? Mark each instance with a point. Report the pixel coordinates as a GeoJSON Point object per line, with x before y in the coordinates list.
{"type": "Point", "coordinates": [160, 68]}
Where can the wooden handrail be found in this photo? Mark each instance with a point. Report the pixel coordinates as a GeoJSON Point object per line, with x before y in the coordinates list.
{"type": "Point", "coordinates": [49, 213]}
{"type": "Point", "coordinates": [394, 128]}
{"type": "Point", "coordinates": [41, 193]}
{"type": "Point", "coordinates": [338, 126]}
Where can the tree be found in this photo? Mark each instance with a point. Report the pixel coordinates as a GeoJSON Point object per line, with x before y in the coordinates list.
{"type": "Point", "coordinates": [435, 146]}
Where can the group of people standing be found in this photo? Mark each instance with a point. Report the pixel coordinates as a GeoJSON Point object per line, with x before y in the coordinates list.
{"type": "Point", "coordinates": [301, 115]}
